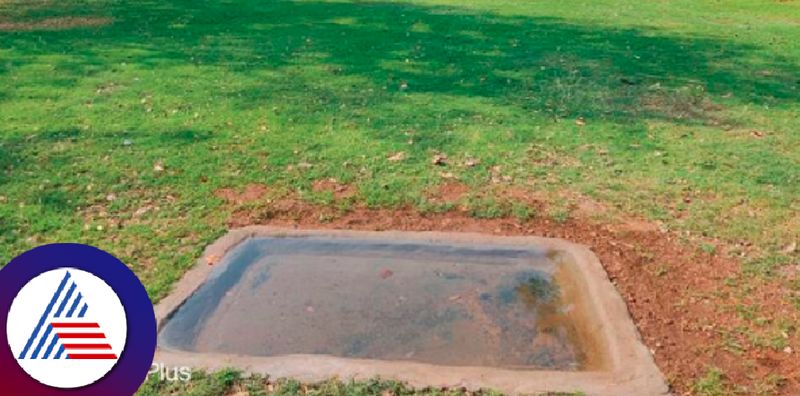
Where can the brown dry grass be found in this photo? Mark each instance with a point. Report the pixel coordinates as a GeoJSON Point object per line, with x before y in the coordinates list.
{"type": "Point", "coordinates": [58, 23]}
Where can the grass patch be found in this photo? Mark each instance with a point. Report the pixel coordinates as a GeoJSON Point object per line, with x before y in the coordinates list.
{"type": "Point", "coordinates": [229, 382]}
{"type": "Point", "coordinates": [167, 103]}
{"type": "Point", "coordinates": [712, 384]}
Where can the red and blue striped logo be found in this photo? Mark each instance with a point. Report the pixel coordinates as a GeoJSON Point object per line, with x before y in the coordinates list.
{"type": "Point", "coordinates": [64, 330]}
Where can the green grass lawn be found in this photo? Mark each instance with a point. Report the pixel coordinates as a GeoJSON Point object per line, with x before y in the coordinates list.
{"type": "Point", "coordinates": [119, 123]}
{"type": "Point", "coordinates": [229, 382]}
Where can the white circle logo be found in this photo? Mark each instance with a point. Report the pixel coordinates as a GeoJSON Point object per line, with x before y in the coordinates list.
{"type": "Point", "coordinates": [67, 328]}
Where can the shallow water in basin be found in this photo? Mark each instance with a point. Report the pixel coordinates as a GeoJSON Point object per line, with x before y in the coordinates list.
{"type": "Point", "coordinates": [440, 303]}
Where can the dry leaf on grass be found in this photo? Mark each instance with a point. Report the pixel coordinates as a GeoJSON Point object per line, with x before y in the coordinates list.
{"type": "Point", "coordinates": [471, 162]}
{"type": "Point", "coordinates": [398, 156]}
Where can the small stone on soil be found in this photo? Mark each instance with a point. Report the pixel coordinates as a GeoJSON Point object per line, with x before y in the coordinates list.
{"type": "Point", "coordinates": [385, 273]}
{"type": "Point", "coordinates": [213, 259]}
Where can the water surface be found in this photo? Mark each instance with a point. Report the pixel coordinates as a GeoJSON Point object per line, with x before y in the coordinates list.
{"type": "Point", "coordinates": [451, 304]}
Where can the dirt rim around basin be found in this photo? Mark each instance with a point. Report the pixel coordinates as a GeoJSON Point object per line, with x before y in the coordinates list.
{"type": "Point", "coordinates": [684, 301]}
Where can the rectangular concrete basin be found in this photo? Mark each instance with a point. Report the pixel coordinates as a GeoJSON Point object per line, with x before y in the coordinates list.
{"type": "Point", "coordinates": [519, 315]}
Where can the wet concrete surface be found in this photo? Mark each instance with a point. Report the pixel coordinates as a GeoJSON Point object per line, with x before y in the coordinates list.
{"type": "Point", "coordinates": [520, 315]}
{"type": "Point", "coordinates": [423, 301]}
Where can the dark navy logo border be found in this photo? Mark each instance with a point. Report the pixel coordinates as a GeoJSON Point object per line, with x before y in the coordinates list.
{"type": "Point", "coordinates": [137, 357]}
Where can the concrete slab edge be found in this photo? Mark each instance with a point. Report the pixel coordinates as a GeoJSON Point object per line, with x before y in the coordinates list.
{"type": "Point", "coordinates": [631, 372]}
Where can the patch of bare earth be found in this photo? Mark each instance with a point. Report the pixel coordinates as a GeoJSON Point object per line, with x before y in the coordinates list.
{"type": "Point", "coordinates": [333, 186]}
{"type": "Point", "coordinates": [250, 193]}
{"type": "Point", "coordinates": [60, 23]}
{"type": "Point", "coordinates": [685, 302]}
{"type": "Point", "coordinates": [448, 192]}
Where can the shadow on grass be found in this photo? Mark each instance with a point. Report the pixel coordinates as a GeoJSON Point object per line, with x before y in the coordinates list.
{"type": "Point", "coordinates": [547, 66]}
{"type": "Point", "coordinates": [183, 136]}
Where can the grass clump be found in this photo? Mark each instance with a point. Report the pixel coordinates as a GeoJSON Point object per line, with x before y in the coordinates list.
{"type": "Point", "coordinates": [232, 382]}
{"type": "Point", "coordinates": [712, 384]}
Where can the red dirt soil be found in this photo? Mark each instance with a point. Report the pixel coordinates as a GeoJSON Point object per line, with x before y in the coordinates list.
{"type": "Point", "coordinates": [251, 193]}
{"type": "Point", "coordinates": [685, 302]}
